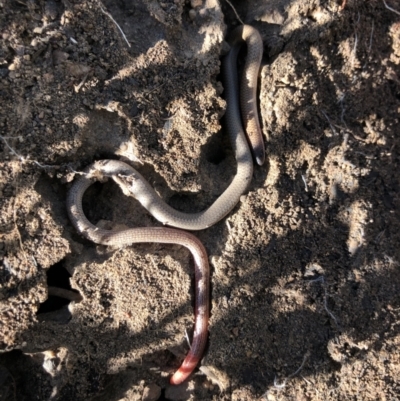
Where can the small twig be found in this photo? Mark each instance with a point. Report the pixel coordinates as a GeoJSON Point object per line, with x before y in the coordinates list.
{"type": "Point", "coordinates": [16, 227]}
{"type": "Point", "coordinates": [343, 5]}
{"type": "Point", "coordinates": [22, 159]}
{"type": "Point", "coordinates": [305, 182]}
{"type": "Point", "coordinates": [329, 121]}
{"type": "Point", "coordinates": [370, 38]}
{"type": "Point", "coordinates": [187, 338]}
{"type": "Point", "coordinates": [322, 280]}
{"type": "Point", "coordinates": [283, 384]}
{"type": "Point", "coordinates": [307, 354]}
{"type": "Point", "coordinates": [317, 280]}
{"type": "Point", "coordinates": [279, 386]}
{"type": "Point", "coordinates": [115, 22]}
{"type": "Point", "coordinates": [326, 306]}
{"type": "Point", "coordinates": [353, 55]}
{"type": "Point", "coordinates": [234, 10]}
{"type": "Point", "coordinates": [16, 230]}
{"type": "Point", "coordinates": [79, 86]}
{"type": "Point", "coordinates": [307, 381]}
{"type": "Point", "coordinates": [379, 236]}
{"type": "Point", "coordinates": [11, 137]}
{"type": "Point", "coordinates": [390, 8]}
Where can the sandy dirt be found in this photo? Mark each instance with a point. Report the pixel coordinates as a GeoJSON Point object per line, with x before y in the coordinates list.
{"type": "Point", "coordinates": [305, 274]}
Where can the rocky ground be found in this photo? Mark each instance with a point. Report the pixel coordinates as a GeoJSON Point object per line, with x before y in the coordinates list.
{"type": "Point", "coordinates": [305, 270]}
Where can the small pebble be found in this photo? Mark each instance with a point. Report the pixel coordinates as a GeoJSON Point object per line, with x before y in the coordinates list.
{"type": "Point", "coordinates": [192, 14]}
{"type": "Point", "coordinates": [195, 3]}
{"type": "Point", "coordinates": [152, 392]}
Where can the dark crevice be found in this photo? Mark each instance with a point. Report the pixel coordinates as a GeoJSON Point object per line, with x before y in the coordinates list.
{"type": "Point", "coordinates": [215, 148]}
{"type": "Point", "coordinates": [60, 291]}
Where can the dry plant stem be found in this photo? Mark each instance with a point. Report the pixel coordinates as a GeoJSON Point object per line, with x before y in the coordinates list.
{"type": "Point", "coordinates": [370, 38]}
{"type": "Point", "coordinates": [16, 230]}
{"type": "Point", "coordinates": [22, 159]}
{"type": "Point", "coordinates": [236, 13]}
{"type": "Point", "coordinates": [160, 235]}
{"type": "Point", "coordinates": [115, 22]}
{"type": "Point", "coordinates": [330, 124]}
{"type": "Point", "coordinates": [321, 279]}
{"type": "Point", "coordinates": [390, 8]}
{"type": "Point", "coordinates": [283, 384]}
